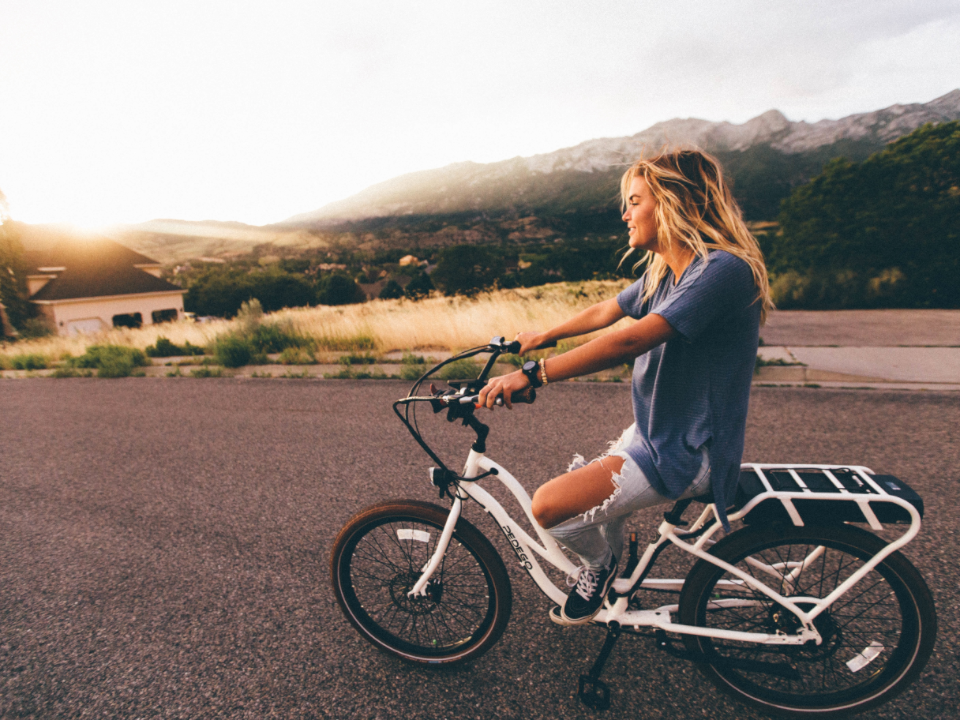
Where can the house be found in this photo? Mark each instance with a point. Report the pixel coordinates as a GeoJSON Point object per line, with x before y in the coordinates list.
{"type": "Point", "coordinates": [84, 286]}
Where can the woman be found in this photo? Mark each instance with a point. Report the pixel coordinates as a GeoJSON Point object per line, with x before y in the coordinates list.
{"type": "Point", "coordinates": [699, 307]}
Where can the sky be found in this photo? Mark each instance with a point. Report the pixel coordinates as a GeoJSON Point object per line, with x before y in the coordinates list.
{"type": "Point", "coordinates": [129, 110]}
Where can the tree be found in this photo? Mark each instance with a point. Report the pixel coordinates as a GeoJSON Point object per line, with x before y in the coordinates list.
{"type": "Point", "coordinates": [466, 270]}
{"type": "Point", "coordinates": [391, 291]}
{"type": "Point", "coordinates": [13, 270]}
{"type": "Point", "coordinates": [420, 287]}
{"type": "Point", "coordinates": [339, 289]}
{"type": "Point", "coordinates": [883, 232]}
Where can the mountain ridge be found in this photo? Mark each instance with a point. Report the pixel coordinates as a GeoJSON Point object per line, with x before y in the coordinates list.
{"type": "Point", "coordinates": [466, 186]}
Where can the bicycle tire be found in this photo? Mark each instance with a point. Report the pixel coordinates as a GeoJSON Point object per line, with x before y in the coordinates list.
{"type": "Point", "coordinates": [877, 637]}
{"type": "Point", "coordinates": [379, 555]}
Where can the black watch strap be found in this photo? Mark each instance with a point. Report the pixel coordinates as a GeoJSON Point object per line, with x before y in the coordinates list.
{"type": "Point", "coordinates": [531, 368]}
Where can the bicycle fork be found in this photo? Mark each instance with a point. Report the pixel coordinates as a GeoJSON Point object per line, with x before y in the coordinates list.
{"type": "Point", "coordinates": [443, 543]}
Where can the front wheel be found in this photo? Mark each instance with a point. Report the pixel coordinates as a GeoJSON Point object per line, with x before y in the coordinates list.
{"type": "Point", "coordinates": [877, 637]}
{"type": "Point", "coordinates": [379, 556]}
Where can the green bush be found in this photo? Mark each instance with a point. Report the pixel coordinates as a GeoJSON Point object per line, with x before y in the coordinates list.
{"type": "Point", "coordinates": [297, 356]}
{"type": "Point", "coordinates": [411, 372]}
{"type": "Point", "coordinates": [34, 328]}
{"type": "Point", "coordinates": [420, 287]}
{"type": "Point", "coordinates": [339, 289]}
{"type": "Point", "coordinates": [391, 291]}
{"type": "Point", "coordinates": [465, 369]}
{"type": "Point", "coordinates": [355, 359]}
{"type": "Point", "coordinates": [111, 360]}
{"type": "Point", "coordinates": [206, 372]}
{"type": "Point", "coordinates": [31, 361]}
{"type": "Point", "coordinates": [70, 372]}
{"type": "Point", "coordinates": [232, 351]}
{"type": "Point", "coordinates": [165, 348]}
{"type": "Point", "coordinates": [277, 337]}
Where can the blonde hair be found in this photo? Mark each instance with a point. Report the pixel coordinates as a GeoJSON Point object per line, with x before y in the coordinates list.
{"type": "Point", "coordinates": [694, 208]}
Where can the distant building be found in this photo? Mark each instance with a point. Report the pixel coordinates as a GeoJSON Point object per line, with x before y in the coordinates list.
{"type": "Point", "coordinates": [93, 285]}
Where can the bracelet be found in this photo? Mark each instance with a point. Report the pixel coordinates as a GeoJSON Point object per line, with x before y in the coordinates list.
{"type": "Point", "coordinates": [543, 371]}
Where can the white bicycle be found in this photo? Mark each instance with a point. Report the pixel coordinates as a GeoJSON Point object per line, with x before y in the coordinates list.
{"type": "Point", "coordinates": [798, 612]}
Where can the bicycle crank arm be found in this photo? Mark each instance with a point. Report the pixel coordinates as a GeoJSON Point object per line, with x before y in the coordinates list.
{"type": "Point", "coordinates": [776, 669]}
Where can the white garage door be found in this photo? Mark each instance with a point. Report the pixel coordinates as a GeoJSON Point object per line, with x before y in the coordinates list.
{"type": "Point", "coordinates": [83, 327]}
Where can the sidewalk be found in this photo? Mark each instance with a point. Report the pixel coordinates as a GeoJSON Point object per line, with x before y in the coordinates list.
{"type": "Point", "coordinates": [915, 349]}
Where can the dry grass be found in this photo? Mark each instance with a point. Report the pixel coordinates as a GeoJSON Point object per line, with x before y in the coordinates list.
{"type": "Point", "coordinates": [55, 348]}
{"type": "Point", "coordinates": [380, 325]}
{"type": "Point", "coordinates": [448, 323]}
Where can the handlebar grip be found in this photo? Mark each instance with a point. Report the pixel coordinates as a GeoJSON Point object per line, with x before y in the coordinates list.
{"type": "Point", "coordinates": [527, 396]}
{"type": "Point", "coordinates": [514, 347]}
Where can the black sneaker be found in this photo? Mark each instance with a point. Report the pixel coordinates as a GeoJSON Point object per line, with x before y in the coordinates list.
{"type": "Point", "coordinates": [587, 597]}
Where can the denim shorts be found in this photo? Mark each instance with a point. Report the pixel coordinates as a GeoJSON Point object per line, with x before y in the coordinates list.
{"type": "Point", "coordinates": [599, 531]}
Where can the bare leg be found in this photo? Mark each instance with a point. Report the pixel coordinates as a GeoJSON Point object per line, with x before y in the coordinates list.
{"type": "Point", "coordinates": [575, 492]}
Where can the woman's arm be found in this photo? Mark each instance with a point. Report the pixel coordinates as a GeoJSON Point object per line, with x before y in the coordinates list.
{"type": "Point", "coordinates": [598, 354]}
{"type": "Point", "coordinates": [610, 350]}
{"type": "Point", "coordinates": [596, 317]}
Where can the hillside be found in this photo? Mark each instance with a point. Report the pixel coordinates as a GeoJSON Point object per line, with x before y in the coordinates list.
{"type": "Point", "coordinates": [766, 156]}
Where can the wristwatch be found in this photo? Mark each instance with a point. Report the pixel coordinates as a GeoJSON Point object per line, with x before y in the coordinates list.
{"type": "Point", "coordinates": [531, 369]}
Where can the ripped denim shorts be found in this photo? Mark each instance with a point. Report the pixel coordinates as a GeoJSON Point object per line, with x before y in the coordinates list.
{"type": "Point", "coordinates": [597, 533]}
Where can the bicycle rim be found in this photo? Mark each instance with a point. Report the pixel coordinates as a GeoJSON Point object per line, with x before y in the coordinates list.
{"type": "Point", "coordinates": [874, 636]}
{"type": "Point", "coordinates": [380, 564]}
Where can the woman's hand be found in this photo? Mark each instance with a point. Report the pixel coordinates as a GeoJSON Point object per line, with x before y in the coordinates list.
{"type": "Point", "coordinates": [529, 341]}
{"type": "Point", "coordinates": [503, 385]}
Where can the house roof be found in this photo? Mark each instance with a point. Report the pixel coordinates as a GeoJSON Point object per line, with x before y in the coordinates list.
{"type": "Point", "coordinates": [93, 268]}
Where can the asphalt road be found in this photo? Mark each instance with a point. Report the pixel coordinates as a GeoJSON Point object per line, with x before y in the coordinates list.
{"type": "Point", "coordinates": [164, 547]}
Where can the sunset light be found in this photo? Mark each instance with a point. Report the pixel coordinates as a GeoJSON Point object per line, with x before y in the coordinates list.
{"type": "Point", "coordinates": [254, 111]}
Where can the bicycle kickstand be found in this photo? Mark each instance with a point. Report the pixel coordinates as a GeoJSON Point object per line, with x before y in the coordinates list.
{"type": "Point", "coordinates": [593, 692]}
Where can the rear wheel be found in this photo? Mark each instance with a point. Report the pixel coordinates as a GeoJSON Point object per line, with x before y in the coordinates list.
{"type": "Point", "coordinates": [379, 556]}
{"type": "Point", "coordinates": [876, 638]}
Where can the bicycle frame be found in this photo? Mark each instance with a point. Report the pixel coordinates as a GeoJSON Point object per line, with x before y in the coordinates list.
{"type": "Point", "coordinates": [527, 548]}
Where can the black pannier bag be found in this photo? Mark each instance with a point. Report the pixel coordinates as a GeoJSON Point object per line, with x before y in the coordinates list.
{"type": "Point", "coordinates": [816, 480]}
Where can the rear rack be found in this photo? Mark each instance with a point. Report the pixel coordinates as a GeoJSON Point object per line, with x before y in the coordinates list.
{"type": "Point", "coordinates": [819, 494]}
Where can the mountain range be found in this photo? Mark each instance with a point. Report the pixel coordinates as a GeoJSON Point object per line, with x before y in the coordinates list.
{"type": "Point", "coordinates": [766, 157]}
{"type": "Point", "coordinates": [570, 193]}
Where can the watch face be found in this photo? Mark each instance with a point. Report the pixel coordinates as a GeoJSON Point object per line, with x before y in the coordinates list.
{"type": "Point", "coordinates": [530, 366]}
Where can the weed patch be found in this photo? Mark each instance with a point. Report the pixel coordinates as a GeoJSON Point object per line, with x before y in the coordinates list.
{"type": "Point", "coordinates": [111, 361]}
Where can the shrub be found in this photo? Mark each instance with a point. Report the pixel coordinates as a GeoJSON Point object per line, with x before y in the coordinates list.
{"type": "Point", "coordinates": [420, 287]}
{"type": "Point", "coordinates": [165, 348]}
{"type": "Point", "coordinates": [34, 328]}
{"type": "Point", "coordinates": [411, 372]}
{"type": "Point", "coordinates": [232, 351]}
{"type": "Point", "coordinates": [339, 289]}
{"type": "Point", "coordinates": [354, 359]}
{"type": "Point", "coordinates": [276, 337]}
{"type": "Point", "coordinates": [69, 372]}
{"type": "Point", "coordinates": [206, 372]}
{"type": "Point", "coordinates": [465, 369]}
{"type": "Point", "coordinates": [412, 359]}
{"type": "Point", "coordinates": [467, 269]}
{"type": "Point", "coordinates": [32, 361]}
{"type": "Point", "coordinates": [112, 361]}
{"type": "Point", "coordinates": [296, 356]}
{"type": "Point", "coordinates": [391, 291]}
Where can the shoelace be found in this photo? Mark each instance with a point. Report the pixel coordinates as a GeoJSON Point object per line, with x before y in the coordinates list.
{"type": "Point", "coordinates": [586, 582]}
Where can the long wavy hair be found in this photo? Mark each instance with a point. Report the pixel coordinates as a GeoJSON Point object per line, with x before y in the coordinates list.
{"type": "Point", "coordinates": [694, 208]}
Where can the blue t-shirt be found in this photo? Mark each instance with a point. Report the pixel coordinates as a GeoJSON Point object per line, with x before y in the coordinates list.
{"type": "Point", "coordinates": [693, 390]}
